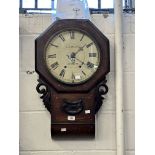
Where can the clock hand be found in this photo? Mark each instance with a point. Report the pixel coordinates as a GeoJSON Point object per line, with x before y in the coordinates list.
{"type": "Point", "coordinates": [80, 61]}
{"type": "Point", "coordinates": [80, 49]}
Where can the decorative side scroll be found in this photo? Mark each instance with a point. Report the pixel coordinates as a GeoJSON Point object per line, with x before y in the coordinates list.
{"type": "Point", "coordinates": [101, 90]}
{"type": "Point", "coordinates": [43, 89]}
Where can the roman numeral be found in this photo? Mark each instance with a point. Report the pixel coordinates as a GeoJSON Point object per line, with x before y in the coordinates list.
{"type": "Point", "coordinates": [61, 37]}
{"type": "Point", "coordinates": [54, 45]}
{"type": "Point", "coordinates": [62, 73]}
{"type": "Point", "coordinates": [72, 34]}
{"type": "Point", "coordinates": [73, 77]}
{"type": "Point", "coordinates": [52, 56]}
{"type": "Point", "coordinates": [89, 44]}
{"type": "Point", "coordinates": [92, 54]}
{"type": "Point", "coordinates": [84, 73]}
{"type": "Point", "coordinates": [55, 65]}
{"type": "Point", "coordinates": [90, 65]}
{"type": "Point", "coordinates": [82, 37]}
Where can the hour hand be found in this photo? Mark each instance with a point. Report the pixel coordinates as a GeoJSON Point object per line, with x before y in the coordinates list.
{"type": "Point", "coordinates": [80, 61]}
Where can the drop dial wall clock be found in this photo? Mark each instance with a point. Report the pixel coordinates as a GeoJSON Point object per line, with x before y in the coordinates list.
{"type": "Point", "coordinates": [72, 60]}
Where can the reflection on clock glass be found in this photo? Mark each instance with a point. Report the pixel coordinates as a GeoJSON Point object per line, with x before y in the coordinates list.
{"type": "Point", "coordinates": [72, 57]}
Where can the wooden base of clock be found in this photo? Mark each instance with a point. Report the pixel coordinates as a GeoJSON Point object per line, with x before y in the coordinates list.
{"type": "Point", "coordinates": [72, 114]}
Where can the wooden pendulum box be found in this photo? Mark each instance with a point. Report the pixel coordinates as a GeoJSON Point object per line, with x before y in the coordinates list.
{"type": "Point", "coordinates": [72, 60]}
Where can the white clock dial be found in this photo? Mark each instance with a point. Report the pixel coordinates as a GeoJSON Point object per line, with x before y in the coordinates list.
{"type": "Point", "coordinates": [72, 57]}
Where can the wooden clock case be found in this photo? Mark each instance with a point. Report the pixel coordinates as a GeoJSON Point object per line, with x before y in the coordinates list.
{"type": "Point", "coordinates": [72, 107]}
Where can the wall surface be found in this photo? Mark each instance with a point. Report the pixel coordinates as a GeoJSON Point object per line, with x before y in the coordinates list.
{"type": "Point", "coordinates": [35, 136]}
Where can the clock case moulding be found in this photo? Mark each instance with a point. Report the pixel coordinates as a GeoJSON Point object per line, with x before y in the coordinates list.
{"type": "Point", "coordinates": [65, 100]}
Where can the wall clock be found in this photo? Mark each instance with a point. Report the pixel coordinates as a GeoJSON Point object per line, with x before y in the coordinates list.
{"type": "Point", "coordinates": [72, 60]}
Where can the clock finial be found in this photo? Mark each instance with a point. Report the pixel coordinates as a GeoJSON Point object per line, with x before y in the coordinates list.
{"type": "Point", "coordinates": [72, 9]}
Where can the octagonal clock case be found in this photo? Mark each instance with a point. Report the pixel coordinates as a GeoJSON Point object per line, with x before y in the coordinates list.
{"type": "Point", "coordinates": [72, 60]}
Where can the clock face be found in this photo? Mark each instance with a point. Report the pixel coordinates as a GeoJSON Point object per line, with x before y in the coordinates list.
{"type": "Point", "coordinates": [72, 57]}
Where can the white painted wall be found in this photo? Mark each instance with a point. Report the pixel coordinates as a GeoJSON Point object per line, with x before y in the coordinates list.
{"type": "Point", "coordinates": [35, 136]}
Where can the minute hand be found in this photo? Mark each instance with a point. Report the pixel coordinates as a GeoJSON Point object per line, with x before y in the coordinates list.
{"type": "Point", "coordinates": [80, 49]}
